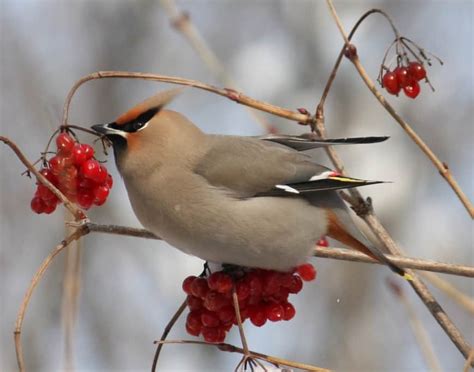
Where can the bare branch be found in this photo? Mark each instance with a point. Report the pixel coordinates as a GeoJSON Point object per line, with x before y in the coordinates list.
{"type": "Point", "coordinates": [253, 354]}
{"type": "Point", "coordinates": [442, 167]}
{"type": "Point", "coordinates": [420, 288]}
{"type": "Point", "coordinates": [228, 93]}
{"type": "Point", "coordinates": [323, 252]}
{"type": "Point", "coordinates": [34, 282]}
{"type": "Point", "coordinates": [167, 330]}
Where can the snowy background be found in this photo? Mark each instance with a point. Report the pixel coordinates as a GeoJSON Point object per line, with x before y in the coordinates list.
{"type": "Point", "coordinates": [280, 52]}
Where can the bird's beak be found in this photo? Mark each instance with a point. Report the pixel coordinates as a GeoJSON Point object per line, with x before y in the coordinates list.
{"type": "Point", "coordinates": [106, 130]}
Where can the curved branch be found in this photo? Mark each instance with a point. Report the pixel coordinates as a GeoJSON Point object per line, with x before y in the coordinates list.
{"type": "Point", "coordinates": [34, 282]}
{"type": "Point", "coordinates": [225, 92]}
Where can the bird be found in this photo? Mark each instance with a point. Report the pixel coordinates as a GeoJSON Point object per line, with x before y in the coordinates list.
{"type": "Point", "coordinates": [257, 202]}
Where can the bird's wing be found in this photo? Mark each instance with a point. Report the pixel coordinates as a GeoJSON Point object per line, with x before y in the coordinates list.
{"type": "Point", "coordinates": [251, 167]}
{"type": "Point", "coordinates": [310, 141]}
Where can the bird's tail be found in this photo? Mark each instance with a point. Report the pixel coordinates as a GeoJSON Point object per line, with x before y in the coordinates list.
{"type": "Point", "coordinates": [342, 228]}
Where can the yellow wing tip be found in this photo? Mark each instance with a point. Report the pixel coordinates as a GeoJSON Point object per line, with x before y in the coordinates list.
{"type": "Point", "coordinates": [408, 277]}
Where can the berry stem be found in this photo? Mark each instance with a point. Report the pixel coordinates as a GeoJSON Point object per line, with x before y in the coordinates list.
{"type": "Point", "coordinates": [166, 331]}
{"type": "Point", "coordinates": [239, 323]}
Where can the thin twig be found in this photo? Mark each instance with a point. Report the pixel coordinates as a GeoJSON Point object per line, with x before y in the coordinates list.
{"type": "Point", "coordinates": [267, 358]}
{"type": "Point", "coordinates": [420, 288]}
{"type": "Point", "coordinates": [228, 93]}
{"type": "Point", "coordinates": [442, 167]}
{"type": "Point", "coordinates": [404, 262]}
{"type": "Point", "coordinates": [167, 330]}
{"type": "Point", "coordinates": [421, 335]}
{"type": "Point", "coordinates": [462, 299]}
{"type": "Point", "coordinates": [34, 282]}
{"type": "Point", "coordinates": [181, 21]}
{"type": "Point", "coordinates": [469, 361]}
{"type": "Point", "coordinates": [245, 347]}
{"type": "Point", "coordinates": [323, 252]}
{"type": "Point", "coordinates": [75, 211]}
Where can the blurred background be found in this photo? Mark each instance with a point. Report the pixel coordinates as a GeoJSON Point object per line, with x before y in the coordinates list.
{"type": "Point", "coordinates": [277, 51]}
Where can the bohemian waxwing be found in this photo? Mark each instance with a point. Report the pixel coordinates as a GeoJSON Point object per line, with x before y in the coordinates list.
{"type": "Point", "coordinates": [254, 202]}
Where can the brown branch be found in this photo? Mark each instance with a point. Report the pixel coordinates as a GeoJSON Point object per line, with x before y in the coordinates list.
{"type": "Point", "coordinates": [167, 330]}
{"type": "Point", "coordinates": [450, 290]}
{"type": "Point", "coordinates": [253, 354]}
{"type": "Point", "coordinates": [469, 361]}
{"type": "Point", "coordinates": [181, 21]}
{"type": "Point", "coordinates": [441, 166]}
{"type": "Point", "coordinates": [228, 93]}
{"type": "Point", "coordinates": [404, 262]}
{"type": "Point", "coordinates": [417, 327]}
{"type": "Point", "coordinates": [420, 288]}
{"type": "Point", "coordinates": [323, 252]}
{"type": "Point", "coordinates": [34, 282]}
{"type": "Point", "coordinates": [75, 211]}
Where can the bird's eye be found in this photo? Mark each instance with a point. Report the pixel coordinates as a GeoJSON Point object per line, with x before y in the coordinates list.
{"type": "Point", "coordinates": [137, 125]}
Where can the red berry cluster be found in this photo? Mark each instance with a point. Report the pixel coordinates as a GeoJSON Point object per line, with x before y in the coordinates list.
{"type": "Point", "coordinates": [262, 295]}
{"type": "Point", "coordinates": [75, 172]}
{"type": "Point", "coordinates": [406, 78]}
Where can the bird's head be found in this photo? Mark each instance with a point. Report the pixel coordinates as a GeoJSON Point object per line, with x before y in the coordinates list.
{"type": "Point", "coordinates": [147, 134]}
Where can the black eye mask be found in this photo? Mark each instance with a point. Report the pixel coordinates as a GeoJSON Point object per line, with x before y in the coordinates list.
{"type": "Point", "coordinates": [137, 123]}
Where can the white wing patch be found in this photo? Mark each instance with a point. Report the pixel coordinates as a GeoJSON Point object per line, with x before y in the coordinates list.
{"type": "Point", "coordinates": [324, 175]}
{"type": "Point", "coordinates": [287, 189]}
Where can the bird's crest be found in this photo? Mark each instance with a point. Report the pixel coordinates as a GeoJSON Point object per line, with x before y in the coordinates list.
{"type": "Point", "coordinates": [157, 102]}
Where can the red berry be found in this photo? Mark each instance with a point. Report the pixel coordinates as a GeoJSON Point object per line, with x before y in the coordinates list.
{"type": "Point", "coordinates": [271, 283]}
{"type": "Point", "coordinates": [307, 272]}
{"type": "Point", "coordinates": [90, 169]}
{"type": "Point", "coordinates": [64, 143]}
{"type": "Point", "coordinates": [213, 335]}
{"type": "Point", "coordinates": [102, 175]}
{"type": "Point", "coordinates": [46, 194]}
{"type": "Point", "coordinates": [288, 311]}
{"type": "Point", "coordinates": [285, 280]}
{"type": "Point", "coordinates": [85, 198]}
{"type": "Point", "coordinates": [100, 194]}
{"type": "Point", "coordinates": [194, 303]}
{"type": "Point", "coordinates": [258, 316]}
{"type": "Point", "coordinates": [85, 183]}
{"type": "Point", "coordinates": [88, 150]}
{"type": "Point", "coordinates": [199, 288]}
{"type": "Point", "coordinates": [323, 242]}
{"type": "Point", "coordinates": [49, 208]}
{"type": "Point", "coordinates": [412, 90]}
{"type": "Point", "coordinates": [416, 70]}
{"type": "Point", "coordinates": [187, 284]}
{"type": "Point", "coordinates": [390, 83]}
{"type": "Point", "coordinates": [296, 284]}
{"type": "Point", "coordinates": [220, 282]}
{"type": "Point", "coordinates": [48, 174]}
{"type": "Point", "coordinates": [403, 76]}
{"type": "Point", "coordinates": [274, 312]}
{"type": "Point", "coordinates": [214, 301]}
{"type": "Point", "coordinates": [57, 164]}
{"type": "Point", "coordinates": [255, 284]}
{"type": "Point", "coordinates": [193, 331]}
{"type": "Point", "coordinates": [193, 323]}
{"type": "Point", "coordinates": [37, 205]}
{"type": "Point", "coordinates": [209, 319]}
{"type": "Point", "coordinates": [109, 182]}
{"type": "Point", "coordinates": [194, 319]}
{"type": "Point", "coordinates": [79, 155]}
{"type": "Point", "coordinates": [243, 290]}
{"type": "Point", "coordinates": [226, 314]}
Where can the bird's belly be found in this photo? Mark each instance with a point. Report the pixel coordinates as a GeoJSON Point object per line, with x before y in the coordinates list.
{"type": "Point", "coordinates": [271, 233]}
